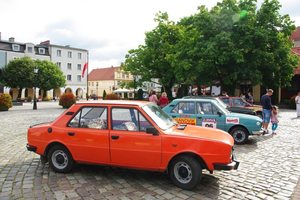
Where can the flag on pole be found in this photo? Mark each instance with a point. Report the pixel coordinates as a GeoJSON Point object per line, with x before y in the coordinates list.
{"type": "Point", "coordinates": [84, 68]}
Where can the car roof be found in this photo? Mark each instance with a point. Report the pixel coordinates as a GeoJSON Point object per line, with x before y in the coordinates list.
{"type": "Point", "coordinates": [199, 97]}
{"type": "Point", "coordinates": [113, 102]}
{"type": "Point", "coordinates": [195, 99]}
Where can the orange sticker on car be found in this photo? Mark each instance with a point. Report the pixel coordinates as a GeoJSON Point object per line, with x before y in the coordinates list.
{"type": "Point", "coordinates": [191, 121]}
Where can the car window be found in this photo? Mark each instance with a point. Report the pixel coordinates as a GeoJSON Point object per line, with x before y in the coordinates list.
{"type": "Point", "coordinates": [226, 101]}
{"type": "Point", "coordinates": [184, 107]}
{"type": "Point", "coordinates": [238, 102]}
{"type": "Point", "coordinates": [128, 119]}
{"type": "Point", "coordinates": [90, 117]}
{"type": "Point", "coordinates": [206, 108]}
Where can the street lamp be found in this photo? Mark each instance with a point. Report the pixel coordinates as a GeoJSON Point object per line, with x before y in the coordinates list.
{"type": "Point", "coordinates": [134, 80]}
{"type": "Point", "coordinates": [35, 70]}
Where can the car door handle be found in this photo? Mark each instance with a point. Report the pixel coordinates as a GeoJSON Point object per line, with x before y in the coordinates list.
{"type": "Point", "coordinates": [115, 137]}
{"type": "Point", "coordinates": [71, 134]}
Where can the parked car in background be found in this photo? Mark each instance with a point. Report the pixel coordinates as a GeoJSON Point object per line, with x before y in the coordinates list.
{"type": "Point", "coordinates": [210, 113]}
{"type": "Point", "coordinates": [239, 102]}
{"type": "Point", "coordinates": [242, 110]}
{"type": "Point", "coordinates": [131, 134]}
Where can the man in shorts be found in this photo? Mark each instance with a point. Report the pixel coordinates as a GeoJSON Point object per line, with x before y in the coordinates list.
{"type": "Point", "coordinates": [267, 108]}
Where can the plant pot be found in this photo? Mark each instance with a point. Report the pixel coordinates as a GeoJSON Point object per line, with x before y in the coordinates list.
{"type": "Point", "coordinates": [4, 109]}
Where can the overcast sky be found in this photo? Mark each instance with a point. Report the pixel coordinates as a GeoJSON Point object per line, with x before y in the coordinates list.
{"type": "Point", "coordinates": [108, 29]}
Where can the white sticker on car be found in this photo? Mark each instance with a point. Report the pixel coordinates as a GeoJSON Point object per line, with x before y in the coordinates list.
{"type": "Point", "coordinates": [232, 120]}
{"type": "Point", "coordinates": [208, 122]}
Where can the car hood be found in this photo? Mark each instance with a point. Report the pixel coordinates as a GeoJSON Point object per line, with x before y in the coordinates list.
{"type": "Point", "coordinates": [202, 133]}
{"type": "Point", "coordinates": [243, 116]}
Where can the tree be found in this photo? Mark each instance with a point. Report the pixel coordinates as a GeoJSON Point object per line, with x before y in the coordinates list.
{"type": "Point", "coordinates": [18, 73]}
{"type": "Point", "coordinates": [233, 42]}
{"type": "Point", "coordinates": [155, 59]}
{"type": "Point", "coordinates": [49, 76]}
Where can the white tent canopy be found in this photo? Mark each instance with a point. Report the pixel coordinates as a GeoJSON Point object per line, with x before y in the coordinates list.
{"type": "Point", "coordinates": [120, 90]}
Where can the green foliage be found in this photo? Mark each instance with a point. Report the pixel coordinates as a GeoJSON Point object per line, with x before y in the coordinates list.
{"type": "Point", "coordinates": [67, 99]}
{"type": "Point", "coordinates": [122, 85]}
{"type": "Point", "coordinates": [156, 59]}
{"type": "Point", "coordinates": [18, 73]}
{"type": "Point", "coordinates": [140, 94]}
{"type": "Point", "coordinates": [126, 96]}
{"type": "Point", "coordinates": [111, 96]}
{"type": "Point", "coordinates": [5, 101]}
{"type": "Point", "coordinates": [49, 76]}
{"type": "Point", "coordinates": [185, 90]}
{"type": "Point", "coordinates": [104, 95]}
{"type": "Point", "coordinates": [225, 44]}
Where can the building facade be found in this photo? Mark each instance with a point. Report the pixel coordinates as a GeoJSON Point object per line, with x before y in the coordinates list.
{"type": "Point", "coordinates": [70, 60]}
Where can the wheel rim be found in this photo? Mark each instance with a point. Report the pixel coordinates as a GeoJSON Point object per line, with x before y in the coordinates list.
{"type": "Point", "coordinates": [183, 172]}
{"type": "Point", "coordinates": [59, 159]}
{"type": "Point", "coordinates": [239, 136]}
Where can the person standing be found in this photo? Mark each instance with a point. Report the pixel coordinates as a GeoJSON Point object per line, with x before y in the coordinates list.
{"type": "Point", "coordinates": [267, 108]}
{"type": "Point", "coordinates": [250, 99]}
{"type": "Point", "coordinates": [153, 97]}
{"type": "Point", "coordinates": [163, 100]}
{"type": "Point", "coordinates": [274, 119]}
{"type": "Point", "coordinates": [297, 102]}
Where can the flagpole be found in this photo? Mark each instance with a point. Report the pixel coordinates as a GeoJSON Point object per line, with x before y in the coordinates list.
{"type": "Point", "coordinates": [87, 77]}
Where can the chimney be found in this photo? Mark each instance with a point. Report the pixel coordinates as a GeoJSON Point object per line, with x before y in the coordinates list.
{"type": "Point", "coordinates": [112, 66]}
{"type": "Point", "coordinates": [45, 42]}
{"type": "Point", "coordinates": [11, 39]}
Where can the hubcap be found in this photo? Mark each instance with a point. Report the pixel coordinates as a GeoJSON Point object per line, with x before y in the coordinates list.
{"type": "Point", "coordinates": [59, 159]}
{"type": "Point", "coordinates": [183, 172]}
{"type": "Point", "coordinates": [239, 135]}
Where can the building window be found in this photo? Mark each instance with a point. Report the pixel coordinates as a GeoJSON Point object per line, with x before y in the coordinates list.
{"type": "Point", "coordinates": [127, 76]}
{"type": "Point", "coordinates": [29, 49]}
{"type": "Point", "coordinates": [123, 75]}
{"type": "Point", "coordinates": [118, 83]}
{"type": "Point", "coordinates": [79, 55]}
{"type": "Point", "coordinates": [16, 47]}
{"type": "Point", "coordinates": [41, 51]}
{"type": "Point", "coordinates": [79, 67]}
{"type": "Point", "coordinates": [92, 83]}
{"type": "Point", "coordinates": [69, 77]}
{"type": "Point", "coordinates": [78, 78]}
{"type": "Point", "coordinates": [58, 53]}
{"type": "Point", "coordinates": [89, 83]}
{"type": "Point", "coordinates": [293, 87]}
{"type": "Point", "coordinates": [69, 54]}
{"type": "Point", "coordinates": [69, 66]}
{"type": "Point", "coordinates": [58, 64]}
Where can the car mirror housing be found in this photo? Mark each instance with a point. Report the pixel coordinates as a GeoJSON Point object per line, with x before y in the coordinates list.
{"type": "Point", "coordinates": [152, 130]}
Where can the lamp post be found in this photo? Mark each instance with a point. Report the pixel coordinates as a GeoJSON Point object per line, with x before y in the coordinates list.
{"type": "Point", "coordinates": [35, 70]}
{"type": "Point", "coordinates": [134, 80]}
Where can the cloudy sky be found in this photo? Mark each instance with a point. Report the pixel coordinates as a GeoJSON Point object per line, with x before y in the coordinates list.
{"type": "Point", "coordinates": [108, 29]}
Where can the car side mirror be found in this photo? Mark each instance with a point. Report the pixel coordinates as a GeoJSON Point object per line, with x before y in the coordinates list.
{"type": "Point", "coordinates": [219, 113]}
{"type": "Point", "coordinates": [152, 130]}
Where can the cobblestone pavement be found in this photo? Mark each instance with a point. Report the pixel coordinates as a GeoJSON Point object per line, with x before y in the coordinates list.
{"type": "Point", "coordinates": [269, 169]}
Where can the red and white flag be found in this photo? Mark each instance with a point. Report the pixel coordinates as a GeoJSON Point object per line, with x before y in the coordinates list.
{"type": "Point", "coordinates": [84, 68]}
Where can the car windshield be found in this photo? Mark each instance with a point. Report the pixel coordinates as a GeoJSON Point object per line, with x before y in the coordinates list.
{"type": "Point", "coordinates": [162, 119]}
{"type": "Point", "coordinates": [222, 106]}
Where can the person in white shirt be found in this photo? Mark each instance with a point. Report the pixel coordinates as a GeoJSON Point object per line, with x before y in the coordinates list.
{"type": "Point", "coordinates": [297, 102]}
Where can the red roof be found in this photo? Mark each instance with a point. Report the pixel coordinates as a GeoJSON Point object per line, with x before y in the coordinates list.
{"type": "Point", "coordinates": [102, 74]}
{"type": "Point", "coordinates": [296, 34]}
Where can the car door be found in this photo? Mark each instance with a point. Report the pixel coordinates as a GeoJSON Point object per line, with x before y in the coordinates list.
{"type": "Point", "coordinates": [129, 143]}
{"type": "Point", "coordinates": [184, 112]}
{"type": "Point", "coordinates": [88, 135]}
{"type": "Point", "coordinates": [208, 115]}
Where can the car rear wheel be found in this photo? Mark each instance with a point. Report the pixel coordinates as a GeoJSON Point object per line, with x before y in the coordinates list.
{"type": "Point", "coordinates": [60, 159]}
{"type": "Point", "coordinates": [240, 135]}
{"type": "Point", "coordinates": [185, 172]}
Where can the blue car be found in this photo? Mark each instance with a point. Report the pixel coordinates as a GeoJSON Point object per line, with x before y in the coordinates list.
{"type": "Point", "coordinates": [209, 113]}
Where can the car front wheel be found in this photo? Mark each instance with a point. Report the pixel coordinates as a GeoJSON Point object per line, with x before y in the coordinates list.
{"type": "Point", "coordinates": [240, 135]}
{"type": "Point", "coordinates": [185, 172]}
{"type": "Point", "coordinates": [60, 159]}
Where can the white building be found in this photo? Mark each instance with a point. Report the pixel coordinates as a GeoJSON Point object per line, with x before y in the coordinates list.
{"type": "Point", "coordinates": [70, 60]}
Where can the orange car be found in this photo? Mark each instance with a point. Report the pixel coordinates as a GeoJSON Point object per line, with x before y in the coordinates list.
{"type": "Point", "coordinates": [131, 134]}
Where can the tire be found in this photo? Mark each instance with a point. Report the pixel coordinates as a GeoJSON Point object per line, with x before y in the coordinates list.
{"type": "Point", "coordinates": [240, 135]}
{"type": "Point", "coordinates": [185, 172]}
{"type": "Point", "coordinates": [60, 159]}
